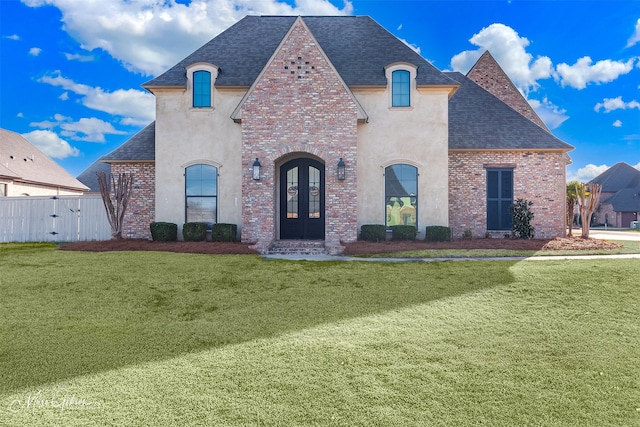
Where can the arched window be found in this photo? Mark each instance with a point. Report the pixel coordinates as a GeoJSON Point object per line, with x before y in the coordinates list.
{"type": "Point", "coordinates": [400, 89]}
{"type": "Point", "coordinates": [401, 195]}
{"type": "Point", "coordinates": [202, 89]}
{"type": "Point", "coordinates": [201, 191]}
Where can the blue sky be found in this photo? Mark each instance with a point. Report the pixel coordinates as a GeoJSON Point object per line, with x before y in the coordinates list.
{"type": "Point", "coordinates": [71, 70]}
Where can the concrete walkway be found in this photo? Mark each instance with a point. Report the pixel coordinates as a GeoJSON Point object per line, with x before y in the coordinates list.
{"type": "Point", "coordinates": [506, 258]}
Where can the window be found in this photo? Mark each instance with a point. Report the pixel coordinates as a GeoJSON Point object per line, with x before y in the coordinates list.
{"type": "Point", "coordinates": [201, 188]}
{"type": "Point", "coordinates": [499, 198]}
{"type": "Point", "coordinates": [400, 89]}
{"type": "Point", "coordinates": [401, 194]}
{"type": "Point", "coordinates": [201, 89]}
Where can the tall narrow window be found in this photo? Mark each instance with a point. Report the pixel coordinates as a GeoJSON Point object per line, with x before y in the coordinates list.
{"type": "Point", "coordinates": [400, 89]}
{"type": "Point", "coordinates": [401, 195]}
{"type": "Point", "coordinates": [499, 198]}
{"type": "Point", "coordinates": [201, 188]}
{"type": "Point", "coordinates": [201, 89]}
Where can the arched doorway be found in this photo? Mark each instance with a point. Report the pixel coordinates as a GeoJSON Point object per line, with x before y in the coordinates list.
{"type": "Point", "coordinates": [302, 199]}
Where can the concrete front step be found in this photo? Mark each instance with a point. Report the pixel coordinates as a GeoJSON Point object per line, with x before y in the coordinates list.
{"type": "Point", "coordinates": [297, 247]}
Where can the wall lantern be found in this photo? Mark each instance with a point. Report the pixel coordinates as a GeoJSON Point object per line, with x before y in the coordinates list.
{"type": "Point", "coordinates": [341, 170]}
{"type": "Point", "coordinates": [256, 169]}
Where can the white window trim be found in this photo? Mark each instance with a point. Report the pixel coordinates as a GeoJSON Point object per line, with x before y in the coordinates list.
{"type": "Point", "coordinates": [201, 66]}
{"type": "Point", "coordinates": [413, 72]}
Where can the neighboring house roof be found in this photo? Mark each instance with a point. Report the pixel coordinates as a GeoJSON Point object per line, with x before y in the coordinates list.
{"type": "Point", "coordinates": [357, 46]}
{"type": "Point", "coordinates": [22, 161]}
{"type": "Point", "coordinates": [489, 75]}
{"type": "Point", "coordinates": [626, 200]}
{"type": "Point", "coordinates": [140, 148]}
{"type": "Point", "coordinates": [479, 120]}
{"type": "Point", "coordinates": [89, 178]}
{"type": "Point", "coordinates": [619, 176]}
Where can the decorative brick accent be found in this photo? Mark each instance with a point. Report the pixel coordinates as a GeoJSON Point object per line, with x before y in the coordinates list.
{"type": "Point", "coordinates": [141, 208]}
{"type": "Point", "coordinates": [299, 105]}
{"type": "Point", "coordinates": [538, 176]}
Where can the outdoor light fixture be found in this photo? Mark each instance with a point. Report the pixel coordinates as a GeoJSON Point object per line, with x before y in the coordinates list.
{"type": "Point", "coordinates": [341, 169]}
{"type": "Point", "coordinates": [256, 169]}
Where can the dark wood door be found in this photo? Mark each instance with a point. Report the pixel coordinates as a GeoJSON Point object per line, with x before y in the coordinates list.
{"type": "Point", "coordinates": [302, 199]}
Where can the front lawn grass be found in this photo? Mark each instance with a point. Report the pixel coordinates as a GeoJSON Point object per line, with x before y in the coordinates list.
{"type": "Point", "coordinates": [144, 338]}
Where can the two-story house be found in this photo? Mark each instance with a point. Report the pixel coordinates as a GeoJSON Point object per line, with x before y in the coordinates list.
{"type": "Point", "coordinates": [310, 127]}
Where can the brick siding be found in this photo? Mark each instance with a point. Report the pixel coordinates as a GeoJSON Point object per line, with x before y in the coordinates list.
{"type": "Point", "coordinates": [299, 105]}
{"type": "Point", "coordinates": [141, 208]}
{"type": "Point", "coordinates": [537, 176]}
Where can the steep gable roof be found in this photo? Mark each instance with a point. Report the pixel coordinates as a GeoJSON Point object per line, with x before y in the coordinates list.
{"type": "Point", "coordinates": [479, 120]}
{"type": "Point", "coordinates": [488, 74]}
{"type": "Point", "coordinates": [626, 200]}
{"type": "Point", "coordinates": [20, 160]}
{"type": "Point", "coordinates": [140, 148]}
{"type": "Point", "coordinates": [357, 46]}
{"type": "Point", "coordinates": [619, 176]}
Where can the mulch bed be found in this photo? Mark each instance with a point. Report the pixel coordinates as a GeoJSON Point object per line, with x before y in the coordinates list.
{"type": "Point", "coordinates": [356, 248]}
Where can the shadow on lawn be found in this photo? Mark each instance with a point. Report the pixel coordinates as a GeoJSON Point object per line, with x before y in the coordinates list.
{"type": "Point", "coordinates": [109, 310]}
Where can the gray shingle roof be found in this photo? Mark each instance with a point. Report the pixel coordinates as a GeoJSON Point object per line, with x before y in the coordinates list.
{"type": "Point", "coordinates": [89, 178]}
{"type": "Point", "coordinates": [626, 200]}
{"type": "Point", "coordinates": [140, 148]}
{"type": "Point", "coordinates": [358, 47]}
{"type": "Point", "coordinates": [479, 120]}
{"type": "Point", "coordinates": [619, 176]}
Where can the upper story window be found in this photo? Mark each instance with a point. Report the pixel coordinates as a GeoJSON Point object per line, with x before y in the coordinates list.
{"type": "Point", "coordinates": [201, 89]}
{"type": "Point", "coordinates": [401, 84]}
{"type": "Point", "coordinates": [400, 89]}
{"type": "Point", "coordinates": [201, 77]}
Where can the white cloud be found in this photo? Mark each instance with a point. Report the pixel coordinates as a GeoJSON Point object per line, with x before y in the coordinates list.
{"type": "Point", "coordinates": [399, 27]}
{"type": "Point", "coordinates": [583, 72]}
{"type": "Point", "coordinates": [611, 104]}
{"type": "Point", "coordinates": [78, 57]}
{"type": "Point", "coordinates": [35, 51]}
{"type": "Point", "coordinates": [635, 38]}
{"type": "Point", "coordinates": [133, 105]}
{"type": "Point", "coordinates": [617, 124]}
{"type": "Point", "coordinates": [64, 96]}
{"type": "Point", "coordinates": [12, 37]}
{"type": "Point", "coordinates": [51, 144]}
{"type": "Point", "coordinates": [89, 129]}
{"type": "Point", "coordinates": [20, 114]}
{"type": "Point", "coordinates": [587, 173]}
{"type": "Point", "coordinates": [509, 50]}
{"type": "Point", "coordinates": [149, 36]}
{"type": "Point", "coordinates": [552, 115]}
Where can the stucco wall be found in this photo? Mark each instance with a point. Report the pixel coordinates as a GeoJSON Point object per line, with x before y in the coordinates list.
{"type": "Point", "coordinates": [417, 136]}
{"type": "Point", "coordinates": [19, 189]}
{"type": "Point", "coordinates": [186, 136]}
{"type": "Point", "coordinates": [538, 176]}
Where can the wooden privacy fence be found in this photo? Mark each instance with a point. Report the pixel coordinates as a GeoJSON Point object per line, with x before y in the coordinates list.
{"type": "Point", "coordinates": [53, 219]}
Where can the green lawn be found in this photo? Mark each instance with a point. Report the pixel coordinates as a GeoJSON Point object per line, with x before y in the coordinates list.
{"type": "Point", "coordinates": [177, 339]}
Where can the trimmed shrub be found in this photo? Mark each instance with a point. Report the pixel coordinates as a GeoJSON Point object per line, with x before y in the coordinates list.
{"type": "Point", "coordinates": [194, 231]}
{"type": "Point", "coordinates": [522, 218]}
{"type": "Point", "coordinates": [164, 231]}
{"type": "Point", "coordinates": [373, 233]}
{"type": "Point", "coordinates": [224, 232]}
{"type": "Point", "coordinates": [403, 232]}
{"type": "Point", "coordinates": [437, 233]}
{"type": "Point", "coordinates": [467, 234]}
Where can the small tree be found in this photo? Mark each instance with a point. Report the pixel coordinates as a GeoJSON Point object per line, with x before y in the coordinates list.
{"type": "Point", "coordinates": [115, 205]}
{"type": "Point", "coordinates": [521, 219]}
{"type": "Point", "coordinates": [588, 199]}
{"type": "Point", "coordinates": [572, 197]}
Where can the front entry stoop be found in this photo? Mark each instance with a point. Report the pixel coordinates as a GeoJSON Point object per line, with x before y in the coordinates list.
{"type": "Point", "coordinates": [297, 247]}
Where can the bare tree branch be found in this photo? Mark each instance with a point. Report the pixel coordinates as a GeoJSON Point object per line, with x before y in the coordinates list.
{"type": "Point", "coordinates": [116, 204]}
